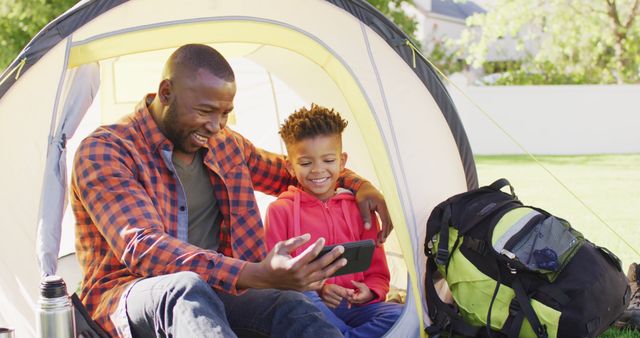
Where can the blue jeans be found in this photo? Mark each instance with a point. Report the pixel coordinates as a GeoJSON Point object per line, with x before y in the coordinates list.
{"type": "Point", "coordinates": [366, 321]}
{"type": "Point", "coordinates": [183, 305]}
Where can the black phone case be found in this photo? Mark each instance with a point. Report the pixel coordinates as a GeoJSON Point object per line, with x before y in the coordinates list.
{"type": "Point", "coordinates": [358, 255]}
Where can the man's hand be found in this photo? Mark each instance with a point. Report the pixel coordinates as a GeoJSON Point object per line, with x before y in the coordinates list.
{"type": "Point", "coordinates": [362, 295]}
{"type": "Point", "coordinates": [370, 199]}
{"type": "Point", "coordinates": [333, 294]}
{"type": "Point", "coordinates": [280, 271]}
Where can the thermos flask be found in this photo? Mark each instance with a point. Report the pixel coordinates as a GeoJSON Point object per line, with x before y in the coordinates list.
{"type": "Point", "coordinates": [6, 332]}
{"type": "Point", "coordinates": [55, 314]}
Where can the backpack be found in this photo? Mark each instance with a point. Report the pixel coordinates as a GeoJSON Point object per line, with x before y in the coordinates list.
{"type": "Point", "coordinates": [86, 327]}
{"type": "Point", "coordinates": [517, 271]}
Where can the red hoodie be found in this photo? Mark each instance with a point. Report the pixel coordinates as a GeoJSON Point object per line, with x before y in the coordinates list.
{"type": "Point", "coordinates": [338, 220]}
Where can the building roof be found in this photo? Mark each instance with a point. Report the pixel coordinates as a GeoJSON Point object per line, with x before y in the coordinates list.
{"type": "Point", "coordinates": [459, 10]}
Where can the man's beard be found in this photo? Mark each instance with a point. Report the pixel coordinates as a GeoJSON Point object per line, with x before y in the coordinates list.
{"type": "Point", "coordinates": [175, 135]}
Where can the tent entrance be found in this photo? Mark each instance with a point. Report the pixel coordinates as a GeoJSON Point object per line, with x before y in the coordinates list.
{"type": "Point", "coordinates": [297, 57]}
{"type": "Point", "coordinates": [275, 74]}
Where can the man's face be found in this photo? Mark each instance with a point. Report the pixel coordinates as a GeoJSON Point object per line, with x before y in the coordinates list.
{"type": "Point", "coordinates": [198, 109]}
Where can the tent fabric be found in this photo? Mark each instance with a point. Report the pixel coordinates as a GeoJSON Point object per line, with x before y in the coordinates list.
{"type": "Point", "coordinates": [84, 81]}
{"type": "Point", "coordinates": [90, 65]}
{"type": "Point", "coordinates": [53, 33]}
{"type": "Point", "coordinates": [397, 40]}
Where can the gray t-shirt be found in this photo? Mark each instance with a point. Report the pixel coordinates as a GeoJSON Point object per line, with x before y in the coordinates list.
{"type": "Point", "coordinates": [202, 206]}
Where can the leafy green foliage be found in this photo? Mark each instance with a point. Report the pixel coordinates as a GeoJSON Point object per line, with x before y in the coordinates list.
{"type": "Point", "coordinates": [444, 56]}
{"type": "Point", "coordinates": [20, 20]}
{"type": "Point", "coordinates": [560, 41]}
{"type": "Point", "coordinates": [515, 73]}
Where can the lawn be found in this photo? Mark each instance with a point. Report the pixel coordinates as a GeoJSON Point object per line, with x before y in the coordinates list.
{"type": "Point", "coordinates": [609, 186]}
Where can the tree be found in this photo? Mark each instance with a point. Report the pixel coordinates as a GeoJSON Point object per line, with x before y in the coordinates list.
{"type": "Point", "coordinates": [561, 41]}
{"type": "Point", "coordinates": [20, 20]}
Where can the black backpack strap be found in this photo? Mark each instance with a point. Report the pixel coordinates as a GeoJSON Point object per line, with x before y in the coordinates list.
{"type": "Point", "coordinates": [453, 249]}
{"type": "Point", "coordinates": [501, 183]}
{"type": "Point", "coordinates": [519, 308]}
{"type": "Point", "coordinates": [525, 306]}
{"type": "Point", "coordinates": [471, 223]}
{"type": "Point", "coordinates": [444, 316]}
{"type": "Point", "coordinates": [493, 298]}
{"type": "Point", "coordinates": [550, 290]}
{"type": "Point", "coordinates": [442, 255]}
{"type": "Point", "coordinates": [85, 326]}
{"type": "Point", "coordinates": [513, 324]}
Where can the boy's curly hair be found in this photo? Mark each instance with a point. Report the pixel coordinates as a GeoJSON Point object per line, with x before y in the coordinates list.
{"type": "Point", "coordinates": [307, 123]}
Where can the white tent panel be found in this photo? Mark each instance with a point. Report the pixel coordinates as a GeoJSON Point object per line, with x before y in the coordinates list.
{"type": "Point", "coordinates": [26, 119]}
{"type": "Point", "coordinates": [90, 122]}
{"type": "Point", "coordinates": [295, 13]}
{"type": "Point", "coordinates": [81, 86]}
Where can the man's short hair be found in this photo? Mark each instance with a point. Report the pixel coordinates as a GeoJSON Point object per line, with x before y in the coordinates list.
{"type": "Point", "coordinates": [192, 57]}
{"type": "Point", "coordinates": [308, 123]}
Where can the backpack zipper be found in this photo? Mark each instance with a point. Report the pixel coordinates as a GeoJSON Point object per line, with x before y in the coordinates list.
{"type": "Point", "coordinates": [526, 229]}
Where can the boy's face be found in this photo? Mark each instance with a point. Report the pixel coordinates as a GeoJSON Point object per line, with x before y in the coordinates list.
{"type": "Point", "coordinates": [316, 163]}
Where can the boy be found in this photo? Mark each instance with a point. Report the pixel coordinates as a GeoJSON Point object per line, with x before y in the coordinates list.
{"type": "Point", "coordinates": [354, 303]}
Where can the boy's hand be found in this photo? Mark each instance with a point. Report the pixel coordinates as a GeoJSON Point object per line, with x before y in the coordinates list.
{"type": "Point", "coordinates": [281, 271]}
{"type": "Point", "coordinates": [362, 295]}
{"type": "Point", "coordinates": [333, 294]}
{"type": "Point", "coordinates": [370, 199]}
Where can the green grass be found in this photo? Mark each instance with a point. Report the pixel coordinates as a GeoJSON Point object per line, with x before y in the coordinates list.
{"type": "Point", "coordinates": [613, 333]}
{"type": "Point", "coordinates": [609, 186]}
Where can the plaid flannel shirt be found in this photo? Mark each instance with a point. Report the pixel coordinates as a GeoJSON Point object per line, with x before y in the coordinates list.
{"type": "Point", "coordinates": [130, 210]}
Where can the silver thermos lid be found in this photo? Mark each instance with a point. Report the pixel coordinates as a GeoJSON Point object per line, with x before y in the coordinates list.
{"type": "Point", "coordinates": [53, 287]}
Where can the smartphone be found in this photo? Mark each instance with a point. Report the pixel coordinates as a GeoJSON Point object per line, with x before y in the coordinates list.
{"type": "Point", "coordinates": [358, 255]}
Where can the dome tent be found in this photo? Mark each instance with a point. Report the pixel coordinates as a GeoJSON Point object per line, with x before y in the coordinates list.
{"type": "Point", "coordinates": [92, 64]}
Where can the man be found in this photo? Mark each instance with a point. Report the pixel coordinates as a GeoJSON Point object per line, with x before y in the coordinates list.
{"type": "Point", "coordinates": [168, 231]}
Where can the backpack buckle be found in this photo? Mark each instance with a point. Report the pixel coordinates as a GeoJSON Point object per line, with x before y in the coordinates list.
{"type": "Point", "coordinates": [442, 256]}
{"type": "Point", "coordinates": [428, 247]}
{"type": "Point", "coordinates": [542, 331]}
{"type": "Point", "coordinates": [476, 245]}
{"type": "Point", "coordinates": [514, 307]}
{"type": "Point", "coordinates": [433, 331]}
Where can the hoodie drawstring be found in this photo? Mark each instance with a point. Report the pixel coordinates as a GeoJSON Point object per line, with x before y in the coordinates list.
{"type": "Point", "coordinates": [296, 218]}
{"type": "Point", "coordinates": [352, 237]}
{"type": "Point", "coordinates": [347, 217]}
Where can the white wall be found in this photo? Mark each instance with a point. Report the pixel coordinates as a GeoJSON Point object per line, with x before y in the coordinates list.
{"type": "Point", "coordinates": [594, 119]}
